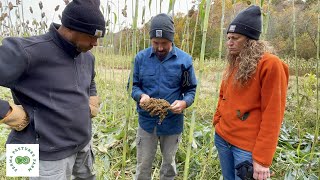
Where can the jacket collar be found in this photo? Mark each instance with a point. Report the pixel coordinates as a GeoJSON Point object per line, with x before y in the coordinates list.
{"type": "Point", "coordinates": [67, 46]}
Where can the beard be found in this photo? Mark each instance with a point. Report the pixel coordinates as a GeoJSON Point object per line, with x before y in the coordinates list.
{"type": "Point", "coordinates": [84, 49]}
{"type": "Point", "coordinates": [161, 55]}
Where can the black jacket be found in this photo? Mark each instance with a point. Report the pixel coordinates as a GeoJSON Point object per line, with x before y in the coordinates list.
{"type": "Point", "coordinates": [53, 82]}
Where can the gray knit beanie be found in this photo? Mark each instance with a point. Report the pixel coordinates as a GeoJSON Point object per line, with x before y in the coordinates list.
{"type": "Point", "coordinates": [162, 26]}
{"type": "Point", "coordinates": [247, 22]}
{"type": "Point", "coordinates": [84, 16]}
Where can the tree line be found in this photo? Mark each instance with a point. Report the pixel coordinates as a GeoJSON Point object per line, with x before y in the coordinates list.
{"type": "Point", "coordinates": [277, 22]}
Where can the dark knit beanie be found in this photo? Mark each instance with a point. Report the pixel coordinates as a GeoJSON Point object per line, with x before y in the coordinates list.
{"type": "Point", "coordinates": [162, 26]}
{"type": "Point", "coordinates": [247, 22]}
{"type": "Point", "coordinates": [84, 16]}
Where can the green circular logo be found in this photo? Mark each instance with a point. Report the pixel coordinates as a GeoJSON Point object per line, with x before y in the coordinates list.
{"type": "Point", "coordinates": [22, 160]}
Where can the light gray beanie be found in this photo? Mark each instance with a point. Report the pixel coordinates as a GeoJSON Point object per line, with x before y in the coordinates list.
{"type": "Point", "coordinates": [162, 26]}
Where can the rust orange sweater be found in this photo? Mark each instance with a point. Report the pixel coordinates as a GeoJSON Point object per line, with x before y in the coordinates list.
{"type": "Point", "coordinates": [250, 117]}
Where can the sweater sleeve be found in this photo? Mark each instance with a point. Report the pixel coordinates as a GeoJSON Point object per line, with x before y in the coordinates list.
{"type": "Point", "coordinates": [274, 82]}
{"type": "Point", "coordinates": [13, 62]}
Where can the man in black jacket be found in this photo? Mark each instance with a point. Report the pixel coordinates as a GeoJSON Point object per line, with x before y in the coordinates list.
{"type": "Point", "coordinates": [51, 77]}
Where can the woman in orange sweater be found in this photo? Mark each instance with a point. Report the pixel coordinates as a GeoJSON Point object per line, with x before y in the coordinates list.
{"type": "Point", "coordinates": [251, 102]}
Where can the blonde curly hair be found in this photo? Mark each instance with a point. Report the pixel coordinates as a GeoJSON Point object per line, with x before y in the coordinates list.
{"type": "Point", "coordinates": [246, 62]}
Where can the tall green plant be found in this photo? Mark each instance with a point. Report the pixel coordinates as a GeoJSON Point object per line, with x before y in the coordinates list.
{"type": "Point", "coordinates": [129, 108]}
{"type": "Point", "coordinates": [223, 5]}
{"type": "Point", "coordinates": [234, 10]}
{"type": "Point", "coordinates": [161, 6]}
{"type": "Point", "coordinates": [171, 7]}
{"type": "Point", "coordinates": [188, 31]}
{"type": "Point", "coordinates": [119, 25]}
{"type": "Point", "coordinates": [316, 134]}
{"type": "Point", "coordinates": [203, 47]}
{"type": "Point", "coordinates": [195, 33]}
{"type": "Point", "coordinates": [188, 37]}
{"type": "Point", "coordinates": [263, 15]}
{"type": "Point", "coordinates": [144, 26]}
{"type": "Point", "coordinates": [150, 2]}
{"type": "Point", "coordinates": [295, 58]}
{"type": "Point", "coordinates": [210, 153]}
{"type": "Point", "coordinates": [266, 22]}
{"type": "Point", "coordinates": [185, 36]}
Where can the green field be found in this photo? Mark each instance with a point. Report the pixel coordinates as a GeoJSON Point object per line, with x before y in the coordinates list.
{"type": "Point", "coordinates": [292, 159]}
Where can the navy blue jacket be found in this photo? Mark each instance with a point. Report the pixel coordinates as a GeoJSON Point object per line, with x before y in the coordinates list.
{"type": "Point", "coordinates": [171, 79]}
{"type": "Point", "coordinates": [53, 82]}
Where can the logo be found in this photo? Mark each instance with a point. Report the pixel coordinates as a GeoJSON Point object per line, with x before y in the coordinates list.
{"type": "Point", "coordinates": [98, 33]}
{"type": "Point", "coordinates": [22, 160]}
{"type": "Point", "coordinates": [232, 28]}
{"type": "Point", "coordinates": [158, 33]}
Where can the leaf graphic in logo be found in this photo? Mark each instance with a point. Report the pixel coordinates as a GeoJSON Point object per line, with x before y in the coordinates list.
{"type": "Point", "coordinates": [19, 160]}
{"type": "Point", "coordinates": [26, 160]}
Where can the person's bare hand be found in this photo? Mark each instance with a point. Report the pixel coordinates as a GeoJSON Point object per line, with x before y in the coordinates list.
{"type": "Point", "coordinates": [144, 97]}
{"type": "Point", "coordinates": [260, 172]}
{"type": "Point", "coordinates": [178, 106]}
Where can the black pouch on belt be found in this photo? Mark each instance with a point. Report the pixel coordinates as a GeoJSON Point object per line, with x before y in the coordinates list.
{"type": "Point", "coordinates": [245, 170]}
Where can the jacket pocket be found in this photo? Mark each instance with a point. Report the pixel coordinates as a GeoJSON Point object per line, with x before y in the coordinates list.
{"type": "Point", "coordinates": [149, 79]}
{"type": "Point", "coordinates": [171, 78]}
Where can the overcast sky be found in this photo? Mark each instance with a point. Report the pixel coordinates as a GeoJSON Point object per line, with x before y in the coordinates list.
{"type": "Point", "coordinates": [49, 6]}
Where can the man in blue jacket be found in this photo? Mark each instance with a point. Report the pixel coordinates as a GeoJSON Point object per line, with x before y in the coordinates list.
{"type": "Point", "coordinates": [51, 77]}
{"type": "Point", "coordinates": [161, 71]}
